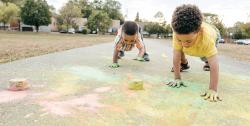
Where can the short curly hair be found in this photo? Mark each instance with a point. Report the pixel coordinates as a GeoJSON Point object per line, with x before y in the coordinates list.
{"type": "Point", "coordinates": [186, 19]}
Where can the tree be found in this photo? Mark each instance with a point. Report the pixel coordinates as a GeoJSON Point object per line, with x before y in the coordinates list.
{"type": "Point", "coordinates": [17, 2]}
{"type": "Point", "coordinates": [59, 23]}
{"type": "Point", "coordinates": [168, 29]}
{"type": "Point", "coordinates": [99, 21]}
{"type": "Point", "coordinates": [214, 20]}
{"type": "Point", "coordinates": [7, 1]}
{"type": "Point", "coordinates": [246, 30]}
{"type": "Point", "coordinates": [36, 13]}
{"type": "Point", "coordinates": [9, 12]}
{"type": "Point", "coordinates": [86, 8]}
{"type": "Point", "coordinates": [70, 12]}
{"type": "Point", "coordinates": [211, 18]}
{"type": "Point", "coordinates": [156, 28]}
{"type": "Point", "coordinates": [52, 9]}
{"type": "Point", "coordinates": [1, 12]}
{"type": "Point", "coordinates": [99, 8]}
{"type": "Point", "coordinates": [137, 18]}
{"type": "Point", "coordinates": [241, 30]}
{"type": "Point", "coordinates": [112, 8]}
{"type": "Point", "coordinates": [97, 4]}
{"type": "Point", "coordinates": [159, 16]}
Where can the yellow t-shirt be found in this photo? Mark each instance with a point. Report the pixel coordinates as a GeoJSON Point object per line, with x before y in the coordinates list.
{"type": "Point", "coordinates": [204, 46]}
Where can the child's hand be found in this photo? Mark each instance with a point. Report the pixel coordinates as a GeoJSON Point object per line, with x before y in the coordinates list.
{"type": "Point", "coordinates": [176, 83]}
{"type": "Point", "coordinates": [114, 65]}
{"type": "Point", "coordinates": [139, 59]}
{"type": "Point", "coordinates": [211, 95]}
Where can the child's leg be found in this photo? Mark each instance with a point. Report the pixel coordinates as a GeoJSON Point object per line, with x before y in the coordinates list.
{"type": "Point", "coordinates": [183, 59]}
{"type": "Point", "coordinates": [146, 57]}
{"type": "Point", "coordinates": [206, 67]}
{"type": "Point", "coordinates": [121, 54]}
{"type": "Point", "coordinates": [184, 62]}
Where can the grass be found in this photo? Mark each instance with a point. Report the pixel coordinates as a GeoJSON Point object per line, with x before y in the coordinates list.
{"type": "Point", "coordinates": [19, 45]}
{"type": "Point", "coordinates": [240, 52]}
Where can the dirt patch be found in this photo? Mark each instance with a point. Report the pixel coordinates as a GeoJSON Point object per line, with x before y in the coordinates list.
{"type": "Point", "coordinates": [19, 45]}
{"type": "Point", "coordinates": [240, 52]}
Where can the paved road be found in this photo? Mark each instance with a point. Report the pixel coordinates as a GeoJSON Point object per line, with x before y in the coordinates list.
{"type": "Point", "coordinates": [77, 88]}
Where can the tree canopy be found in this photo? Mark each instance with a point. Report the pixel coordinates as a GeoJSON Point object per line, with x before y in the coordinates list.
{"type": "Point", "coordinates": [36, 13]}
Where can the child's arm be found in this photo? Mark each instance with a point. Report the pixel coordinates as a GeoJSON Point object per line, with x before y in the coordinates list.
{"type": "Point", "coordinates": [141, 47]}
{"type": "Point", "coordinates": [115, 59]}
{"type": "Point", "coordinates": [214, 72]}
{"type": "Point", "coordinates": [115, 56]}
{"type": "Point", "coordinates": [118, 45]}
{"type": "Point", "coordinates": [212, 94]}
{"type": "Point", "coordinates": [176, 63]}
{"type": "Point", "coordinates": [140, 56]}
{"type": "Point", "coordinates": [177, 75]}
{"type": "Point", "coordinates": [141, 52]}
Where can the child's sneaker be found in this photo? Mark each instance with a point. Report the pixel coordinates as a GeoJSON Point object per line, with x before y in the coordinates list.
{"type": "Point", "coordinates": [183, 67]}
{"type": "Point", "coordinates": [206, 67]}
{"type": "Point", "coordinates": [121, 54]}
{"type": "Point", "coordinates": [146, 57]}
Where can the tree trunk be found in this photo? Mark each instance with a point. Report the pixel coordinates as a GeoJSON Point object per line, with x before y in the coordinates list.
{"type": "Point", "coordinates": [4, 26]}
{"type": "Point", "coordinates": [67, 28]}
{"type": "Point", "coordinates": [19, 25]}
{"type": "Point", "coordinates": [37, 28]}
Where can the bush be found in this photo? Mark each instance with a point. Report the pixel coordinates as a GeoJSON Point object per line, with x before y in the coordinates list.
{"type": "Point", "coordinates": [84, 31]}
{"type": "Point", "coordinates": [239, 35]}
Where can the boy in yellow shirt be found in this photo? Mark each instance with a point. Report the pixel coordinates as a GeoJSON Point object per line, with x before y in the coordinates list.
{"type": "Point", "coordinates": [194, 37]}
{"type": "Point", "coordinates": [129, 36]}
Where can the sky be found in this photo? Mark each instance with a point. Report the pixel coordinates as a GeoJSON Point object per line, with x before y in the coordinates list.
{"type": "Point", "coordinates": [230, 11]}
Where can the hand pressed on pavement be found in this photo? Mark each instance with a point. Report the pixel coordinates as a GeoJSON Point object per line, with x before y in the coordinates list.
{"type": "Point", "coordinates": [176, 83]}
{"type": "Point", "coordinates": [211, 95]}
{"type": "Point", "coordinates": [114, 65]}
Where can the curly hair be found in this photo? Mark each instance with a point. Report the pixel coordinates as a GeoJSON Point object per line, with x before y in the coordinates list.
{"type": "Point", "coordinates": [130, 28]}
{"type": "Point", "coordinates": [186, 19]}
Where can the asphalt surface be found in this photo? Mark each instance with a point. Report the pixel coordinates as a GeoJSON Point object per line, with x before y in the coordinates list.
{"type": "Point", "coordinates": [77, 88]}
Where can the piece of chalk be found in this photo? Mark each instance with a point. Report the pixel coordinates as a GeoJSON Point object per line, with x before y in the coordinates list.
{"type": "Point", "coordinates": [136, 84]}
{"type": "Point", "coordinates": [18, 84]}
